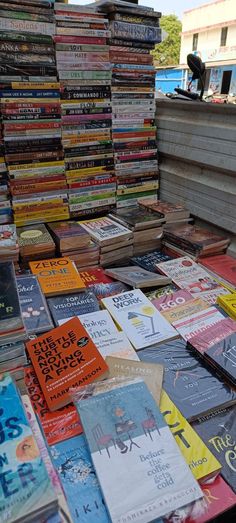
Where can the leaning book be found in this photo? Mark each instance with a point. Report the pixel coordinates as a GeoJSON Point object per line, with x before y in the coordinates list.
{"type": "Point", "coordinates": [139, 466]}
{"type": "Point", "coordinates": [26, 493]}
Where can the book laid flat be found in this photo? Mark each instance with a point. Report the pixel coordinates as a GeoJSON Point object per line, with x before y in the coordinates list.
{"type": "Point", "coordinates": [137, 277]}
{"type": "Point", "coordinates": [151, 373]}
{"type": "Point", "coordinates": [150, 260]}
{"type": "Point", "coordinates": [79, 480]}
{"type": "Point", "coordinates": [171, 300]}
{"type": "Point", "coordinates": [63, 308]}
{"type": "Point", "coordinates": [30, 496]}
{"type": "Point", "coordinates": [57, 276]}
{"type": "Point", "coordinates": [218, 498]}
{"type": "Point", "coordinates": [68, 235]}
{"type": "Point", "coordinates": [105, 335]}
{"type": "Point", "coordinates": [195, 239]}
{"type": "Point", "coordinates": [105, 231]}
{"type": "Point", "coordinates": [192, 386]}
{"type": "Point", "coordinates": [64, 358]}
{"type": "Point", "coordinates": [57, 426]}
{"type": "Point", "coordinates": [11, 324]}
{"type": "Point", "coordinates": [223, 265]}
{"type": "Point", "coordinates": [168, 211]}
{"type": "Point", "coordinates": [218, 431]}
{"type": "Point", "coordinates": [139, 319]}
{"type": "Point", "coordinates": [33, 305]}
{"type": "Point", "coordinates": [228, 304]}
{"type": "Point", "coordinates": [201, 461]}
{"type": "Point", "coordinates": [139, 466]}
{"type": "Point", "coordinates": [35, 240]}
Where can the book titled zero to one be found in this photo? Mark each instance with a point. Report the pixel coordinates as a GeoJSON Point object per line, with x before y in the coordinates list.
{"type": "Point", "coordinates": [65, 358]}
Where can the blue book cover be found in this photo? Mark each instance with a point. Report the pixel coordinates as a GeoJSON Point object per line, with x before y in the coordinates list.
{"type": "Point", "coordinates": [25, 487]}
{"type": "Point", "coordinates": [33, 305]}
{"type": "Point", "coordinates": [141, 471]}
{"type": "Point", "coordinates": [149, 261]}
{"type": "Point", "coordinates": [73, 462]}
{"type": "Point", "coordinates": [66, 307]}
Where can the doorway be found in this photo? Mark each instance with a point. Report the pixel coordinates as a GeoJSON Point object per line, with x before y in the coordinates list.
{"type": "Point", "coordinates": [226, 80]}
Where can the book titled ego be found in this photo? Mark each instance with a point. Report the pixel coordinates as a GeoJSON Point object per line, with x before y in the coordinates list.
{"type": "Point", "coordinates": [63, 358]}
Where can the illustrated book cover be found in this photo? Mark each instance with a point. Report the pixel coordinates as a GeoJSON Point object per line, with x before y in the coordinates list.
{"type": "Point", "coordinates": [64, 358]}
{"type": "Point", "coordinates": [33, 305]}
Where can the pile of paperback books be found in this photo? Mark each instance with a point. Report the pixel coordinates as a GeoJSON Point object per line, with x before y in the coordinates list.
{"type": "Point", "coordinates": [5, 205]}
{"type": "Point", "coordinates": [134, 32]}
{"type": "Point", "coordinates": [84, 71]}
{"type": "Point", "coordinates": [30, 107]}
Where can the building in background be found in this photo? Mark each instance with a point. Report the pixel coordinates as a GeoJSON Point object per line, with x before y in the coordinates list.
{"type": "Point", "coordinates": [210, 32]}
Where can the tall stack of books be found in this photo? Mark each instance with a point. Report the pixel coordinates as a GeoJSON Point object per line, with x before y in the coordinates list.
{"type": "Point", "coordinates": [30, 99]}
{"type": "Point", "coordinates": [9, 246]}
{"type": "Point", "coordinates": [5, 205]}
{"type": "Point", "coordinates": [84, 71]}
{"type": "Point", "coordinates": [134, 32]}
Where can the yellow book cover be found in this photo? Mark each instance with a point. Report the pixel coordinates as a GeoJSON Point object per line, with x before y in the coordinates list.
{"type": "Point", "coordinates": [36, 165]}
{"type": "Point", "coordinates": [201, 461]}
{"type": "Point", "coordinates": [35, 85]}
{"type": "Point", "coordinates": [57, 276]}
{"type": "Point", "coordinates": [228, 302]}
{"type": "Point", "coordinates": [185, 310]}
{"type": "Point", "coordinates": [31, 100]}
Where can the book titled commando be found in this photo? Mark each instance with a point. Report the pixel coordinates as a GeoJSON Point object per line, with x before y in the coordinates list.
{"type": "Point", "coordinates": [65, 358]}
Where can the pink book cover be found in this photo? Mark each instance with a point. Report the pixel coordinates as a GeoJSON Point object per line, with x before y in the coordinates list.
{"type": "Point", "coordinates": [167, 302]}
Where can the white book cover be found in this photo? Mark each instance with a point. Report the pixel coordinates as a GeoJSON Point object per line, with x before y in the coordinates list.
{"type": "Point", "coordinates": [197, 323]}
{"type": "Point", "coordinates": [105, 335]}
{"type": "Point", "coordinates": [141, 471]}
{"type": "Point", "coordinates": [104, 229]}
{"type": "Point", "coordinates": [139, 319]}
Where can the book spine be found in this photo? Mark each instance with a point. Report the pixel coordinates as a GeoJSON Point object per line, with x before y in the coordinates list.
{"type": "Point", "coordinates": [25, 26]}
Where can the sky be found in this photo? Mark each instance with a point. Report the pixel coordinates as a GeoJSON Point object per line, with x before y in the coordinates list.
{"type": "Point", "coordinates": [165, 6]}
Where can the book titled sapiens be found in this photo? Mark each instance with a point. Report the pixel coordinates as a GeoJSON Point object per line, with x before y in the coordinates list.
{"type": "Point", "coordinates": [139, 466]}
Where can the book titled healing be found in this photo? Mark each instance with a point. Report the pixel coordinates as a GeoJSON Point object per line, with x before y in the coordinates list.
{"type": "Point", "coordinates": [139, 466]}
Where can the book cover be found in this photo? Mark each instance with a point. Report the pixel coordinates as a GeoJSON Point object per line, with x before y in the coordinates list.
{"type": "Point", "coordinates": [72, 460]}
{"type": "Point", "coordinates": [228, 303]}
{"type": "Point", "coordinates": [140, 469]}
{"type": "Point", "coordinates": [192, 386]}
{"type": "Point", "coordinates": [139, 319]}
{"type": "Point", "coordinates": [201, 461]}
{"type": "Point", "coordinates": [151, 373]}
{"type": "Point", "coordinates": [198, 322]}
{"type": "Point", "coordinates": [33, 305]}
{"type": "Point", "coordinates": [63, 308]}
{"type": "Point", "coordinates": [223, 265]}
{"type": "Point", "coordinates": [137, 277]}
{"type": "Point", "coordinates": [218, 498]}
{"type": "Point", "coordinates": [218, 431]}
{"type": "Point", "coordinates": [94, 276]}
{"type": "Point", "coordinates": [163, 291]}
{"type": "Point", "coordinates": [65, 358]}
{"type": "Point", "coordinates": [57, 276]}
{"type": "Point", "coordinates": [104, 290]}
{"type": "Point", "coordinates": [105, 231]}
{"type": "Point", "coordinates": [27, 487]}
{"type": "Point", "coordinates": [195, 238]}
{"type": "Point", "coordinates": [106, 336]}
{"type": "Point", "coordinates": [8, 237]}
{"type": "Point", "coordinates": [57, 426]}
{"type": "Point", "coordinates": [34, 235]}
{"type": "Point", "coordinates": [167, 302]}
{"type": "Point", "coordinates": [150, 260]}
{"type": "Point", "coordinates": [11, 324]}
{"type": "Point", "coordinates": [69, 234]}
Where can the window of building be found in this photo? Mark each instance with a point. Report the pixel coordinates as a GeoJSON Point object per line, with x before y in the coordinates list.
{"type": "Point", "coordinates": [223, 36]}
{"type": "Point", "coordinates": [195, 41]}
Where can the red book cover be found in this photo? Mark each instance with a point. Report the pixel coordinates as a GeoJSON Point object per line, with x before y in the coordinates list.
{"type": "Point", "coordinates": [223, 265]}
{"type": "Point", "coordinates": [65, 358]}
{"type": "Point", "coordinates": [218, 497]}
{"type": "Point", "coordinates": [94, 276]}
{"type": "Point", "coordinates": [58, 426]}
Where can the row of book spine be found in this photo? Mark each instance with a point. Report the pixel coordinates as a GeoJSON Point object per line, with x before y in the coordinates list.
{"type": "Point", "coordinates": [71, 144]}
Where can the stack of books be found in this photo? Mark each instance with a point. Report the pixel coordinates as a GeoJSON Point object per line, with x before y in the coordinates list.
{"type": "Point", "coordinates": [147, 228]}
{"type": "Point", "coordinates": [9, 247]}
{"type": "Point", "coordinates": [170, 213]}
{"type": "Point", "coordinates": [84, 71]}
{"type": "Point", "coordinates": [35, 243]}
{"type": "Point", "coordinates": [115, 241]}
{"type": "Point", "coordinates": [134, 32]}
{"type": "Point", "coordinates": [30, 101]}
{"type": "Point", "coordinates": [5, 205]}
{"type": "Point", "coordinates": [194, 240]}
{"type": "Point", "coordinates": [11, 324]}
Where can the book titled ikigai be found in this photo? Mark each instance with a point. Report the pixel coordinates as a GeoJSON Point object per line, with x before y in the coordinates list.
{"type": "Point", "coordinates": [65, 358]}
{"type": "Point", "coordinates": [63, 308]}
{"type": "Point", "coordinates": [33, 305]}
{"type": "Point", "coordinates": [139, 319]}
{"type": "Point", "coordinates": [107, 338]}
{"type": "Point", "coordinates": [105, 231]}
{"type": "Point", "coordinates": [188, 275]}
{"type": "Point", "coordinates": [26, 493]}
{"type": "Point", "coordinates": [218, 432]}
{"type": "Point", "coordinates": [140, 468]}
{"type": "Point", "coordinates": [57, 276]}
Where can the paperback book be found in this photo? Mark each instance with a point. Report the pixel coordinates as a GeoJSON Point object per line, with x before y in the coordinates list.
{"type": "Point", "coordinates": [129, 414]}
{"type": "Point", "coordinates": [139, 319]}
{"type": "Point", "coordinates": [57, 276]}
{"type": "Point", "coordinates": [11, 324]}
{"type": "Point", "coordinates": [150, 261]}
{"type": "Point", "coordinates": [105, 231]}
{"type": "Point", "coordinates": [137, 277]}
{"type": "Point", "coordinates": [63, 358]}
{"type": "Point", "coordinates": [63, 308]}
{"type": "Point", "coordinates": [33, 305]}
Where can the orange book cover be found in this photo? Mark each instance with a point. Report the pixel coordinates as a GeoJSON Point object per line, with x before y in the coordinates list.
{"type": "Point", "coordinates": [57, 276]}
{"type": "Point", "coordinates": [65, 358]}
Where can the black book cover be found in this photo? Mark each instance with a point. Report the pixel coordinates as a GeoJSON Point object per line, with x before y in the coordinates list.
{"type": "Point", "coordinates": [9, 300]}
{"type": "Point", "coordinates": [223, 354]}
{"type": "Point", "coordinates": [218, 431]}
{"type": "Point", "coordinates": [192, 386]}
